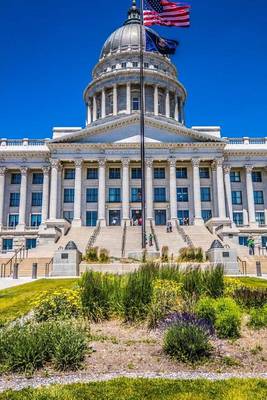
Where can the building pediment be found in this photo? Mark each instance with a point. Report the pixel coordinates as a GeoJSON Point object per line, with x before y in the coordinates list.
{"type": "Point", "coordinates": [125, 129]}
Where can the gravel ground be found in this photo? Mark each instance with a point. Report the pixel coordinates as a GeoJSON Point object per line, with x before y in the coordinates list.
{"type": "Point", "coordinates": [19, 383]}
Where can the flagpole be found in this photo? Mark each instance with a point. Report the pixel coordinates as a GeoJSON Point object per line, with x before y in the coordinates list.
{"type": "Point", "coordinates": [142, 126]}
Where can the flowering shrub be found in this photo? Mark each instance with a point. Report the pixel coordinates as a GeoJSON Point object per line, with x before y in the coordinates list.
{"type": "Point", "coordinates": [258, 318]}
{"type": "Point", "coordinates": [60, 304]}
{"type": "Point", "coordinates": [231, 285]}
{"type": "Point", "coordinates": [228, 318]}
{"type": "Point", "coordinates": [185, 318]}
{"type": "Point", "coordinates": [250, 297]}
{"type": "Point", "coordinates": [166, 297]}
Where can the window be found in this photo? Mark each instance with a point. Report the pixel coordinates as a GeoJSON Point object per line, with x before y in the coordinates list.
{"type": "Point", "coordinates": [204, 173]}
{"type": "Point", "coordinates": [159, 173]}
{"type": "Point", "coordinates": [159, 194]}
{"type": "Point", "coordinates": [16, 178]}
{"type": "Point", "coordinates": [258, 197]}
{"type": "Point", "coordinates": [136, 195]}
{"type": "Point", "coordinates": [92, 173]}
{"type": "Point", "coordinates": [37, 198]}
{"type": "Point", "coordinates": [14, 199]}
{"type": "Point", "coordinates": [13, 220]}
{"type": "Point", "coordinates": [135, 104]}
{"type": "Point", "coordinates": [69, 195]}
{"type": "Point", "coordinates": [235, 176]}
{"type": "Point", "coordinates": [91, 195]}
{"type": "Point", "coordinates": [7, 244]}
{"type": "Point", "coordinates": [114, 195]}
{"type": "Point", "coordinates": [182, 194]}
{"type": "Point", "coordinates": [68, 215]}
{"type": "Point", "coordinates": [260, 218]}
{"type": "Point", "coordinates": [205, 194]}
{"type": "Point", "coordinates": [146, 65]}
{"type": "Point", "coordinates": [123, 65]}
{"type": "Point", "coordinates": [91, 218]}
{"type": "Point", "coordinates": [183, 217]}
{"type": "Point", "coordinates": [109, 104]}
{"type": "Point", "coordinates": [243, 240]}
{"type": "Point", "coordinates": [238, 218]}
{"type": "Point", "coordinates": [30, 244]}
{"type": "Point", "coordinates": [113, 67]}
{"type": "Point", "coordinates": [136, 173]}
{"type": "Point", "coordinates": [237, 197]}
{"type": "Point", "coordinates": [37, 178]}
{"type": "Point", "coordinates": [114, 173]}
{"type": "Point", "coordinates": [256, 176]}
{"type": "Point", "coordinates": [156, 66]}
{"type": "Point", "coordinates": [264, 241]}
{"type": "Point", "coordinates": [181, 173]}
{"type": "Point", "coordinates": [36, 220]}
{"type": "Point", "coordinates": [135, 64]}
{"type": "Point", "coordinates": [69, 173]}
{"type": "Point", "coordinates": [206, 215]}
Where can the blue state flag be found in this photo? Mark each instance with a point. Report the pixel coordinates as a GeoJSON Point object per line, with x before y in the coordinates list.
{"type": "Point", "coordinates": [154, 42]}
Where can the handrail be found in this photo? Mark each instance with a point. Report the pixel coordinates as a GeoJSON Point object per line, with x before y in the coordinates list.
{"type": "Point", "coordinates": [93, 236]}
{"type": "Point", "coordinates": [47, 267]}
{"type": "Point", "coordinates": [20, 255]}
{"type": "Point", "coordinates": [243, 265]}
{"type": "Point", "coordinates": [185, 237]}
{"type": "Point", "coordinates": [123, 240]}
{"type": "Point", "coordinates": [154, 236]}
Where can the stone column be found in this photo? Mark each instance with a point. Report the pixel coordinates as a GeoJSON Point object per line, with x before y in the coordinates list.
{"type": "Point", "coordinates": [167, 106]}
{"type": "Point", "coordinates": [102, 192]}
{"type": "Point", "coordinates": [149, 189]}
{"type": "Point", "coordinates": [89, 117]}
{"type": "Point", "coordinates": [94, 108]}
{"type": "Point", "coordinates": [173, 189]}
{"type": "Point", "coordinates": [228, 190]}
{"type": "Point", "coordinates": [103, 103]}
{"type": "Point", "coordinates": [115, 100]}
{"type": "Point", "coordinates": [156, 100]}
{"type": "Point", "coordinates": [196, 188]}
{"type": "Point", "coordinates": [2, 193]}
{"type": "Point", "coordinates": [23, 198]}
{"type": "Point", "coordinates": [125, 190]}
{"type": "Point", "coordinates": [55, 167]}
{"type": "Point", "coordinates": [45, 200]}
{"type": "Point", "coordinates": [77, 221]}
{"type": "Point", "coordinates": [176, 112]}
{"type": "Point", "coordinates": [128, 98]}
{"type": "Point", "coordinates": [214, 189]}
{"type": "Point", "coordinates": [220, 189]}
{"type": "Point", "coordinates": [250, 195]}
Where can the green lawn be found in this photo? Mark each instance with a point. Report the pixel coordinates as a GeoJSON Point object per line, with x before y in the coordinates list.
{"type": "Point", "coordinates": [144, 389]}
{"type": "Point", "coordinates": [17, 301]}
{"type": "Point", "coordinates": [253, 282]}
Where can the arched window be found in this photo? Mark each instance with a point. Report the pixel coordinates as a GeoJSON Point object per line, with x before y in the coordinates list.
{"type": "Point", "coordinates": [135, 98]}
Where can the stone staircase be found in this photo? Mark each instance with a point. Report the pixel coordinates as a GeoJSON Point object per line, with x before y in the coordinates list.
{"type": "Point", "coordinates": [110, 238]}
{"type": "Point", "coordinates": [200, 236]}
{"type": "Point", "coordinates": [133, 239]}
{"type": "Point", "coordinates": [173, 240]}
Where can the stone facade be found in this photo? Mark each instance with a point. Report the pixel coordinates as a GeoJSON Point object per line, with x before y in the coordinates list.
{"type": "Point", "coordinates": [82, 176]}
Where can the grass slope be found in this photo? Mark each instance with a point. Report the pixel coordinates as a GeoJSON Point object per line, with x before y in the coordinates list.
{"type": "Point", "coordinates": [254, 282]}
{"type": "Point", "coordinates": [148, 389]}
{"type": "Point", "coordinates": [17, 301]}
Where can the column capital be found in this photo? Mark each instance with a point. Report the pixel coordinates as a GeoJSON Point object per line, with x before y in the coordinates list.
{"type": "Point", "coordinates": [172, 162]}
{"type": "Point", "coordinates": [227, 169]}
{"type": "Point", "coordinates": [55, 164]}
{"type": "Point", "coordinates": [219, 162]}
{"type": "Point", "coordinates": [149, 162]}
{"type": "Point", "coordinates": [102, 162]}
{"type": "Point", "coordinates": [125, 162]}
{"type": "Point", "coordinates": [78, 163]}
{"type": "Point", "coordinates": [24, 170]}
{"type": "Point", "coordinates": [195, 162]}
{"type": "Point", "coordinates": [214, 165]}
{"type": "Point", "coordinates": [249, 168]}
{"type": "Point", "coordinates": [2, 171]}
{"type": "Point", "coordinates": [46, 170]}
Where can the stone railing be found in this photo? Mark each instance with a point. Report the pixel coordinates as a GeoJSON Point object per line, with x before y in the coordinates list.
{"type": "Point", "coordinates": [246, 140]}
{"type": "Point", "coordinates": [22, 142]}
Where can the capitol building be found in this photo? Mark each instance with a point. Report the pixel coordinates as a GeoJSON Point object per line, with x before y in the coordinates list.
{"type": "Point", "coordinates": [86, 181]}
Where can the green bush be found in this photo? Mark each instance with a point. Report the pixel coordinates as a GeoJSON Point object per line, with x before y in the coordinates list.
{"type": "Point", "coordinates": [165, 254]}
{"type": "Point", "coordinates": [104, 256]}
{"type": "Point", "coordinates": [188, 254]}
{"type": "Point", "coordinates": [187, 342]}
{"type": "Point", "coordinates": [258, 318]}
{"type": "Point", "coordinates": [228, 318]}
{"type": "Point", "coordinates": [213, 281]}
{"type": "Point", "coordinates": [192, 281]}
{"type": "Point", "coordinates": [60, 304]}
{"type": "Point", "coordinates": [91, 254]}
{"type": "Point", "coordinates": [95, 295]}
{"type": "Point", "coordinates": [250, 297]}
{"type": "Point", "coordinates": [27, 348]}
{"type": "Point", "coordinates": [206, 309]}
{"type": "Point", "coordinates": [166, 297]}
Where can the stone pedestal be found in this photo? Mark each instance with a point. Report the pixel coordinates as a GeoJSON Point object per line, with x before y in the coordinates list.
{"type": "Point", "coordinates": [219, 255]}
{"type": "Point", "coordinates": [66, 262]}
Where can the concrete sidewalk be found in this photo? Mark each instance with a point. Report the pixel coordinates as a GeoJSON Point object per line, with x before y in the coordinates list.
{"type": "Point", "coordinates": [6, 283]}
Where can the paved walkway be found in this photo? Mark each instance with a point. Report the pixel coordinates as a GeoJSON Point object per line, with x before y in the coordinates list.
{"type": "Point", "coordinates": [6, 283]}
{"type": "Point", "coordinates": [19, 383]}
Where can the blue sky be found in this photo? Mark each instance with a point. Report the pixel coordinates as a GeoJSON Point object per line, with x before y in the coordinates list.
{"type": "Point", "coordinates": [48, 49]}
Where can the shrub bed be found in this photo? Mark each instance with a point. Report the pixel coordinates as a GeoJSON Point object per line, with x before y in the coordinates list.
{"type": "Point", "coordinates": [250, 297]}
{"type": "Point", "coordinates": [258, 318]}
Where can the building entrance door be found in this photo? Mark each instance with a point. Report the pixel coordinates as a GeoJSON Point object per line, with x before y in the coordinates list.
{"type": "Point", "coordinates": [160, 217]}
{"type": "Point", "coordinates": [114, 217]}
{"type": "Point", "coordinates": [183, 217]}
{"type": "Point", "coordinates": [137, 217]}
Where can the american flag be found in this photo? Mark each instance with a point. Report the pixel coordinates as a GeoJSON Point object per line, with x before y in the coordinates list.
{"type": "Point", "coordinates": [166, 13]}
